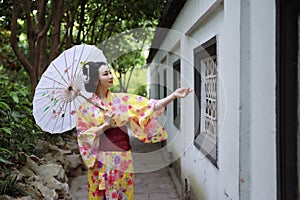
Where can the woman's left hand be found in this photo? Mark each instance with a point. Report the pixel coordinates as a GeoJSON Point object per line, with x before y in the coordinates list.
{"type": "Point", "coordinates": [182, 92]}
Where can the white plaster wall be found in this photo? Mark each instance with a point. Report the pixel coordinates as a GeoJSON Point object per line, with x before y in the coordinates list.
{"type": "Point", "coordinates": [207, 181]}
{"type": "Point", "coordinates": [190, 14]}
{"type": "Point", "coordinates": [245, 32]}
{"type": "Point", "coordinates": [258, 105]}
{"type": "Point", "coordinates": [174, 143]}
{"type": "Point", "coordinates": [203, 175]}
{"type": "Point", "coordinates": [229, 69]}
{"type": "Point", "coordinates": [175, 138]}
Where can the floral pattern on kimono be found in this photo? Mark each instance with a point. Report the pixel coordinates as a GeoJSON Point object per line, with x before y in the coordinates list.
{"type": "Point", "coordinates": [111, 173]}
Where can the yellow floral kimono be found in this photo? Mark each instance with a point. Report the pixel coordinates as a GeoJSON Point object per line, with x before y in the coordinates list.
{"type": "Point", "coordinates": [110, 173]}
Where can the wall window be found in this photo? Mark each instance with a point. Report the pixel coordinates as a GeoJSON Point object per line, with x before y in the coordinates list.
{"type": "Point", "coordinates": [176, 84]}
{"type": "Point", "coordinates": [154, 85]}
{"type": "Point", "coordinates": [158, 86]}
{"type": "Point", "coordinates": [165, 83]}
{"type": "Point", "coordinates": [165, 87]}
{"type": "Point", "coordinates": [206, 109]}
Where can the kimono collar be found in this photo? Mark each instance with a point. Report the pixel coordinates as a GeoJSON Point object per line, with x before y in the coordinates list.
{"type": "Point", "coordinates": [97, 101]}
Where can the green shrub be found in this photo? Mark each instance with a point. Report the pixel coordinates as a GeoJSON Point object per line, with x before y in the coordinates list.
{"type": "Point", "coordinates": [18, 129]}
{"type": "Point", "coordinates": [141, 90]}
{"type": "Point", "coordinates": [10, 186]}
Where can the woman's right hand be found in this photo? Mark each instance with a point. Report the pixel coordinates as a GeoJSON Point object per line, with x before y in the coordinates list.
{"type": "Point", "coordinates": [108, 118]}
{"type": "Point", "coordinates": [108, 122]}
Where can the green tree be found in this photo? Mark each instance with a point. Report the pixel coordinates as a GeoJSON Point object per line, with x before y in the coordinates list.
{"type": "Point", "coordinates": [125, 52]}
{"type": "Point", "coordinates": [50, 26]}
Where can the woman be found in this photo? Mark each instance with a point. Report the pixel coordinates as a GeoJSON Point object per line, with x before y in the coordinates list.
{"type": "Point", "coordinates": [102, 137]}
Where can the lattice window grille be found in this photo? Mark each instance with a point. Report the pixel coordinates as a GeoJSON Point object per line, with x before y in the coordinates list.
{"type": "Point", "coordinates": [210, 72]}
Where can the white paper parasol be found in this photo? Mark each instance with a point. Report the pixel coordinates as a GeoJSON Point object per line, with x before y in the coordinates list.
{"type": "Point", "coordinates": [61, 90]}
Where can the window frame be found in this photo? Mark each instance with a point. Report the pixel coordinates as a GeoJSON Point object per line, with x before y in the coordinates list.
{"type": "Point", "coordinates": [206, 145]}
{"type": "Point", "coordinates": [176, 84]}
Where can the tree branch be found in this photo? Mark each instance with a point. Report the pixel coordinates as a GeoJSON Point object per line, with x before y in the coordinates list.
{"type": "Point", "coordinates": [55, 36]}
{"type": "Point", "coordinates": [41, 42]}
{"type": "Point", "coordinates": [48, 24]}
{"type": "Point", "coordinates": [70, 17]}
{"type": "Point", "coordinates": [128, 80]}
{"type": "Point", "coordinates": [14, 39]}
{"type": "Point", "coordinates": [30, 31]}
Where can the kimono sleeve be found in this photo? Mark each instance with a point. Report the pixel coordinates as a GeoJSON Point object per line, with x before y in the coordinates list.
{"type": "Point", "coordinates": [143, 119]}
{"type": "Point", "coordinates": [86, 129]}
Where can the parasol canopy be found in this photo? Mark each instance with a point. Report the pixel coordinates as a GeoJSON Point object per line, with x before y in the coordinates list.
{"type": "Point", "coordinates": [60, 90]}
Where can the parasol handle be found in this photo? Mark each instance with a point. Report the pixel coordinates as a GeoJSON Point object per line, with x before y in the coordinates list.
{"type": "Point", "coordinates": [90, 101]}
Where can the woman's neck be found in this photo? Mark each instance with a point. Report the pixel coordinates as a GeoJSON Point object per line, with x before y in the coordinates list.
{"type": "Point", "coordinates": [101, 92]}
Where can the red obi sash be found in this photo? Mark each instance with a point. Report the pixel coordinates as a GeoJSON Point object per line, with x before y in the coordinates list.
{"type": "Point", "coordinates": [115, 139]}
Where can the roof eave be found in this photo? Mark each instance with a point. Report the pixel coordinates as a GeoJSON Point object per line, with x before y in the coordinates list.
{"type": "Point", "coordinates": [170, 13]}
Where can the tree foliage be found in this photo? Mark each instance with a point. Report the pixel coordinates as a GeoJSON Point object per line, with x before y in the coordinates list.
{"type": "Point", "coordinates": [34, 32]}
{"type": "Point", "coordinates": [125, 52]}
{"type": "Point", "coordinates": [46, 27]}
{"type": "Point", "coordinates": [18, 127]}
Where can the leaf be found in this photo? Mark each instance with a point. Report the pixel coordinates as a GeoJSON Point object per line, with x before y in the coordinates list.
{"type": "Point", "coordinates": [6, 130]}
{"type": "Point", "coordinates": [4, 106]}
{"type": "Point", "coordinates": [2, 160]}
{"type": "Point", "coordinates": [25, 120]}
{"type": "Point", "coordinates": [15, 98]}
{"type": "Point", "coordinates": [5, 150]}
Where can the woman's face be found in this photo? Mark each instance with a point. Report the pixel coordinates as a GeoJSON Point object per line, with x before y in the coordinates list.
{"type": "Point", "coordinates": [105, 76]}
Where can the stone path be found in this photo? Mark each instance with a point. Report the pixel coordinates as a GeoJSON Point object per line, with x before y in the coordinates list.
{"type": "Point", "coordinates": [78, 188]}
{"type": "Point", "coordinates": [152, 177]}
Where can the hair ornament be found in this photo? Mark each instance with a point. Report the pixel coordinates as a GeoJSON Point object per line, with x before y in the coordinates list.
{"type": "Point", "coordinates": [87, 77]}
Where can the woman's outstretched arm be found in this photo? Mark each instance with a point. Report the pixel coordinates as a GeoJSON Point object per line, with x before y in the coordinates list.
{"type": "Point", "coordinates": [178, 93]}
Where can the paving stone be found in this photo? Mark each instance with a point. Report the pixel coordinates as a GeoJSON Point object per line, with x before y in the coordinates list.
{"type": "Point", "coordinates": [159, 196]}
{"type": "Point", "coordinates": [141, 196]}
{"type": "Point", "coordinates": [79, 188]}
{"type": "Point", "coordinates": [157, 184]}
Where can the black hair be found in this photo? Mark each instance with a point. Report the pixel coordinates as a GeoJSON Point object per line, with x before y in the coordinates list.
{"type": "Point", "coordinates": [91, 73]}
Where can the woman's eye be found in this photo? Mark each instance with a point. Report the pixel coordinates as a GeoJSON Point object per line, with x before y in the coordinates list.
{"type": "Point", "coordinates": [106, 73]}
